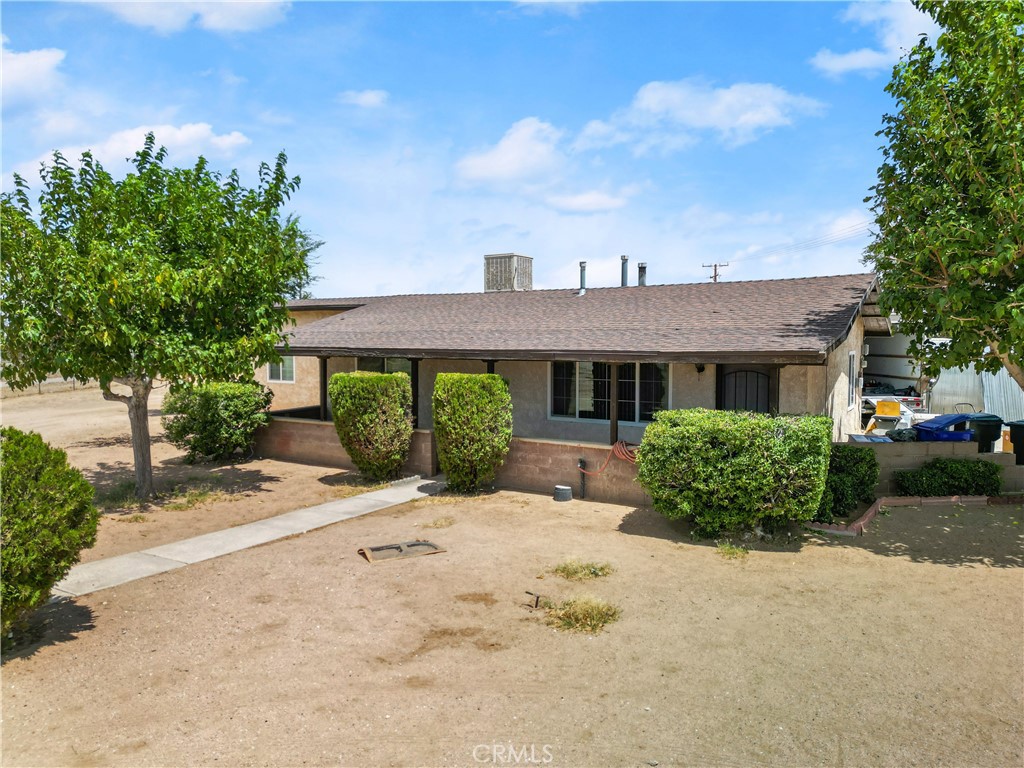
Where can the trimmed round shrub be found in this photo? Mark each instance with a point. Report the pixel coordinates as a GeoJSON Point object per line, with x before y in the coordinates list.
{"type": "Point", "coordinates": [852, 477]}
{"type": "Point", "coordinates": [727, 470]}
{"type": "Point", "coordinates": [46, 520]}
{"type": "Point", "coordinates": [217, 419]}
{"type": "Point", "coordinates": [950, 477]}
{"type": "Point", "coordinates": [373, 416]}
{"type": "Point", "coordinates": [472, 426]}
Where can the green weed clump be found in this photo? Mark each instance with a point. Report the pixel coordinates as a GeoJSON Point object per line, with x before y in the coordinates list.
{"type": "Point", "coordinates": [581, 614]}
{"type": "Point", "coordinates": [577, 570]}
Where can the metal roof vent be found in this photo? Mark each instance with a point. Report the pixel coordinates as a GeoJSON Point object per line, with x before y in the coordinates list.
{"type": "Point", "coordinates": [508, 272]}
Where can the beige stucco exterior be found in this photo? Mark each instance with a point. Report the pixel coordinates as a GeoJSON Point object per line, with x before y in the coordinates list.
{"type": "Point", "coordinates": [814, 389]}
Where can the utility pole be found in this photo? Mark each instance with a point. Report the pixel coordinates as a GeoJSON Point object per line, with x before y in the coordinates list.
{"type": "Point", "coordinates": [714, 276]}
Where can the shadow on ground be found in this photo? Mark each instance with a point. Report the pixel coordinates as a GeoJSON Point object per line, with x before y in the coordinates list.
{"type": "Point", "coordinates": [59, 621]}
{"type": "Point", "coordinates": [644, 521]}
{"type": "Point", "coordinates": [115, 482]}
{"type": "Point", "coordinates": [952, 535]}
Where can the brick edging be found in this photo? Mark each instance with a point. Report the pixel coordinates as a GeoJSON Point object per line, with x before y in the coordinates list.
{"type": "Point", "coordinates": [856, 528]}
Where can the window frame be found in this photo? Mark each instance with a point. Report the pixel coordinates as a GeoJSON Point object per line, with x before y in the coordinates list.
{"type": "Point", "coordinates": [282, 366]}
{"type": "Point", "coordinates": [852, 373]}
{"type": "Point", "coordinates": [384, 364]}
{"type": "Point", "coordinates": [576, 393]}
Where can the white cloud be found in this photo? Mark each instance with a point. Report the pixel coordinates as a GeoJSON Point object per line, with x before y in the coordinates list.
{"type": "Point", "coordinates": [168, 17]}
{"type": "Point", "coordinates": [29, 75]}
{"type": "Point", "coordinates": [184, 142]}
{"type": "Point", "coordinates": [369, 99]}
{"type": "Point", "coordinates": [537, 7]}
{"type": "Point", "coordinates": [528, 150]}
{"type": "Point", "coordinates": [593, 201]}
{"type": "Point", "coordinates": [669, 116]}
{"type": "Point", "coordinates": [897, 27]}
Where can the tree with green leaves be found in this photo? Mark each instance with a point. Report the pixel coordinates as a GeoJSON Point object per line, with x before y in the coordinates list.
{"type": "Point", "coordinates": [169, 273]}
{"type": "Point", "coordinates": [949, 202]}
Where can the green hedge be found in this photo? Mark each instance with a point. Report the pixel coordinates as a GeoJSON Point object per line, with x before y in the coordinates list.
{"type": "Point", "coordinates": [727, 470]}
{"type": "Point", "coordinates": [473, 427]}
{"type": "Point", "coordinates": [46, 519]}
{"type": "Point", "coordinates": [217, 419]}
{"type": "Point", "coordinates": [852, 477]}
{"type": "Point", "coordinates": [373, 416]}
{"type": "Point", "coordinates": [950, 477]}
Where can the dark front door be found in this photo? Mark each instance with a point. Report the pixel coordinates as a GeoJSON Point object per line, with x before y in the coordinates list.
{"type": "Point", "coordinates": [748, 388]}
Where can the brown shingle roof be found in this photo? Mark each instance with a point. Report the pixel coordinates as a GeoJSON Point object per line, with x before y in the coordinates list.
{"type": "Point", "coordinates": [796, 320]}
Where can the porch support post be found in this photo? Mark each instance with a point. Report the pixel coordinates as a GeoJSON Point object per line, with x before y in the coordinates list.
{"type": "Point", "coordinates": [414, 376]}
{"type": "Point", "coordinates": [613, 405]}
{"type": "Point", "coordinates": [323, 388]}
{"type": "Point", "coordinates": [490, 366]}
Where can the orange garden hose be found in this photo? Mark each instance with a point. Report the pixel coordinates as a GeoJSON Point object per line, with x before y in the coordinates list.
{"type": "Point", "coordinates": [621, 450]}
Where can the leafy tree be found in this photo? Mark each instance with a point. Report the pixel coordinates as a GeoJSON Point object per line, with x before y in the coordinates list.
{"type": "Point", "coordinates": [949, 202]}
{"type": "Point", "coordinates": [170, 273]}
{"type": "Point", "coordinates": [304, 246]}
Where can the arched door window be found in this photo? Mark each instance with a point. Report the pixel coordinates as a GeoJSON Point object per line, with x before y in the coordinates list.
{"type": "Point", "coordinates": [748, 388]}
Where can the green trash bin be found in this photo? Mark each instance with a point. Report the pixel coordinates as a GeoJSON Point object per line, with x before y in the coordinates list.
{"type": "Point", "coordinates": [1017, 438]}
{"type": "Point", "coordinates": [987, 429]}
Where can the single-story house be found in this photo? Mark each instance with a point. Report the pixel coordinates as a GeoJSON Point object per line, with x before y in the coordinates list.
{"type": "Point", "coordinates": [786, 346]}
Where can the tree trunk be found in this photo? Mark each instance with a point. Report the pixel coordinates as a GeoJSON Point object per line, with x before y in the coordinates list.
{"type": "Point", "coordinates": [1013, 367]}
{"type": "Point", "coordinates": [138, 417]}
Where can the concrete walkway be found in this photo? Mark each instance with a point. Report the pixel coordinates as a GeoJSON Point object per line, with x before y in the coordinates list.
{"type": "Point", "coordinates": [113, 571]}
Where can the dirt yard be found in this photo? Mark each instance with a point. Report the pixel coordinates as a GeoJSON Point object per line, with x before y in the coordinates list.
{"type": "Point", "coordinates": [902, 647]}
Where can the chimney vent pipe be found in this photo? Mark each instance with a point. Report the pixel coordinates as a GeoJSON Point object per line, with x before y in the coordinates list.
{"type": "Point", "coordinates": [625, 270]}
{"type": "Point", "coordinates": [583, 277]}
{"type": "Point", "coordinates": [641, 269]}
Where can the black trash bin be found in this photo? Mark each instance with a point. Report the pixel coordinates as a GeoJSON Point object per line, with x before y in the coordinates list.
{"type": "Point", "coordinates": [987, 429]}
{"type": "Point", "coordinates": [1017, 438]}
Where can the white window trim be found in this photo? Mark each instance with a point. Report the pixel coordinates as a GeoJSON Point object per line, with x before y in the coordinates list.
{"type": "Point", "coordinates": [270, 367]}
{"type": "Point", "coordinates": [578, 420]}
{"type": "Point", "coordinates": [852, 372]}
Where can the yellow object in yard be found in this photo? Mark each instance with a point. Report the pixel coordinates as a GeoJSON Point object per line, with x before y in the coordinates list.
{"type": "Point", "coordinates": [1007, 445]}
{"type": "Point", "coordinates": [887, 408]}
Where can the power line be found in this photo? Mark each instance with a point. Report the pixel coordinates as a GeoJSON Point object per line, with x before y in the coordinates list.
{"type": "Point", "coordinates": [838, 236]}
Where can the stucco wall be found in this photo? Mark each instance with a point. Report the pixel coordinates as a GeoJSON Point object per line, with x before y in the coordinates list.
{"type": "Point", "coordinates": [305, 390]}
{"type": "Point", "coordinates": [846, 419]}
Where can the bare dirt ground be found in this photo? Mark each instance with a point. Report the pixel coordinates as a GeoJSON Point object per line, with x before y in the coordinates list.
{"type": "Point", "coordinates": [902, 647]}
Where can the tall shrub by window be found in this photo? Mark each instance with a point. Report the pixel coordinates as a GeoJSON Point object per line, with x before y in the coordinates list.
{"type": "Point", "coordinates": [473, 427]}
{"type": "Point", "coordinates": [216, 419]}
{"type": "Point", "coordinates": [726, 470]}
{"type": "Point", "coordinates": [373, 417]}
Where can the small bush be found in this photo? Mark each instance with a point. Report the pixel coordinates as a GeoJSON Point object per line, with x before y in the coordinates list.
{"type": "Point", "coordinates": [47, 518]}
{"type": "Point", "coordinates": [950, 477]}
{"type": "Point", "coordinates": [581, 614]}
{"type": "Point", "coordinates": [214, 420]}
{"type": "Point", "coordinates": [473, 427]}
{"type": "Point", "coordinates": [852, 477]}
{"type": "Point", "coordinates": [373, 417]}
{"type": "Point", "coordinates": [727, 470]}
{"type": "Point", "coordinates": [576, 570]}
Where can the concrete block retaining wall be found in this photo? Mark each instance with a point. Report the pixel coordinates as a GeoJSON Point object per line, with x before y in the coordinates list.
{"type": "Point", "coordinates": [897, 456]}
{"type": "Point", "coordinates": [540, 465]}
{"type": "Point", "coordinates": [316, 442]}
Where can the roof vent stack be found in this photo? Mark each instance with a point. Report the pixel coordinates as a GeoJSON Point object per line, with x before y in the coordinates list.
{"type": "Point", "coordinates": [625, 270]}
{"type": "Point", "coordinates": [641, 269]}
{"type": "Point", "coordinates": [508, 272]}
{"type": "Point", "coordinates": [583, 277]}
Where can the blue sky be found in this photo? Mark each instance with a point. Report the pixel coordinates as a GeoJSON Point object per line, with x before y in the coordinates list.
{"type": "Point", "coordinates": [430, 134]}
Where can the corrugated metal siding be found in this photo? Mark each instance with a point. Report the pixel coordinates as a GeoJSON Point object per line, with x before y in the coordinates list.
{"type": "Point", "coordinates": [1003, 396]}
{"type": "Point", "coordinates": [955, 387]}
